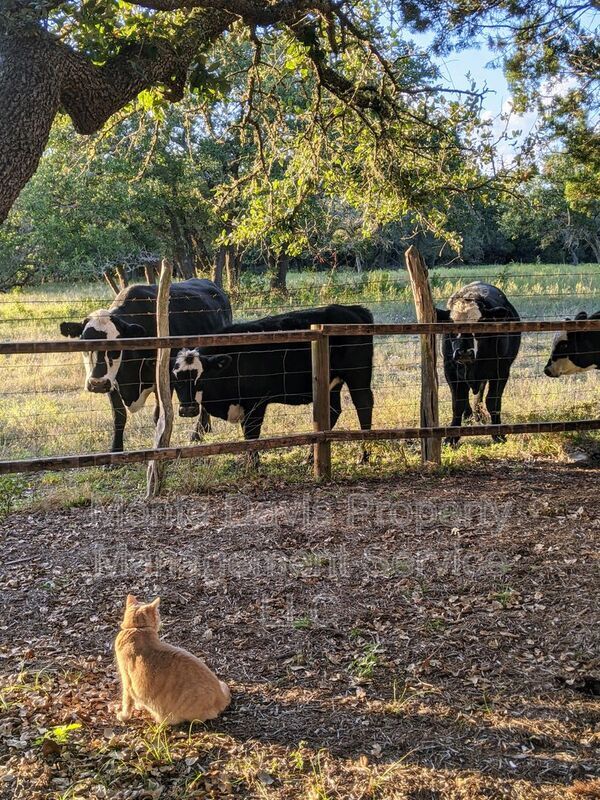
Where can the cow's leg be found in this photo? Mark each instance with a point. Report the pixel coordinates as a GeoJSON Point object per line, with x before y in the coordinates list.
{"type": "Point", "coordinates": [362, 397]}
{"type": "Point", "coordinates": [460, 403]}
{"type": "Point", "coordinates": [119, 414]}
{"type": "Point", "coordinates": [203, 426]}
{"type": "Point", "coordinates": [251, 426]}
{"type": "Point", "coordinates": [493, 403]}
{"type": "Point", "coordinates": [478, 409]}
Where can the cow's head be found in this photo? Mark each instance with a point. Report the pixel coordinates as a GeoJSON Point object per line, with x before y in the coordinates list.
{"type": "Point", "coordinates": [101, 367]}
{"type": "Point", "coordinates": [191, 370]}
{"type": "Point", "coordinates": [574, 351]}
{"type": "Point", "coordinates": [465, 345]}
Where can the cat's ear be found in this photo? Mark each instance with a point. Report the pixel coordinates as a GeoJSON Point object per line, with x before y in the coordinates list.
{"type": "Point", "coordinates": [155, 603]}
{"type": "Point", "coordinates": [131, 600]}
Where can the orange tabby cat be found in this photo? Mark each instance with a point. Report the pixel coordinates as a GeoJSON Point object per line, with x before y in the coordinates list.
{"type": "Point", "coordinates": [170, 683]}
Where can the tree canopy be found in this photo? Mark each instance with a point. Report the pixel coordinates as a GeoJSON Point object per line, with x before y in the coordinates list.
{"type": "Point", "coordinates": [354, 62]}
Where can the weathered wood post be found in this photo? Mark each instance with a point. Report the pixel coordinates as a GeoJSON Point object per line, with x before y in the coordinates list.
{"type": "Point", "coordinates": [164, 424]}
{"type": "Point", "coordinates": [321, 414]}
{"type": "Point", "coordinates": [431, 448]}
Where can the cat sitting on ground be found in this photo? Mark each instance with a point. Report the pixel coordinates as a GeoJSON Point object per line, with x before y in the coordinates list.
{"type": "Point", "coordinates": [171, 684]}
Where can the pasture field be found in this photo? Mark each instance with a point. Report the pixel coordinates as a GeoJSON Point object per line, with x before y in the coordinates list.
{"type": "Point", "coordinates": [45, 411]}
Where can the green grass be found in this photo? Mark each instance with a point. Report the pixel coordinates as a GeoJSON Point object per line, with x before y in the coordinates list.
{"type": "Point", "coordinates": [45, 410]}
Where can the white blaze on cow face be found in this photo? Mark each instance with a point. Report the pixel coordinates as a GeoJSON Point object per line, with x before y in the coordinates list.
{"type": "Point", "coordinates": [465, 311]}
{"type": "Point", "coordinates": [101, 326]}
{"type": "Point", "coordinates": [189, 361]}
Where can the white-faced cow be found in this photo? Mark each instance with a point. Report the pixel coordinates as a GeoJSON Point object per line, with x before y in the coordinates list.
{"type": "Point", "coordinates": [128, 376]}
{"type": "Point", "coordinates": [237, 383]}
{"type": "Point", "coordinates": [575, 351]}
{"type": "Point", "coordinates": [473, 361]}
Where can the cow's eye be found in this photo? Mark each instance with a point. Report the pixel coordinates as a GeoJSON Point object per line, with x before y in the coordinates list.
{"type": "Point", "coordinates": [114, 354]}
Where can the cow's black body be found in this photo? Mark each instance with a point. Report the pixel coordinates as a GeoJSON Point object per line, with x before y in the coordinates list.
{"type": "Point", "coordinates": [197, 306]}
{"type": "Point", "coordinates": [474, 361]}
{"type": "Point", "coordinates": [575, 351]}
{"type": "Point", "coordinates": [249, 378]}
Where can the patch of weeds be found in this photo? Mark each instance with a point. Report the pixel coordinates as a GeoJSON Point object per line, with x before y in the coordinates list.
{"type": "Point", "coordinates": [302, 623]}
{"type": "Point", "coordinates": [60, 734]}
{"type": "Point", "coordinates": [504, 596]}
{"type": "Point", "coordinates": [11, 491]}
{"type": "Point", "coordinates": [436, 625]}
{"type": "Point", "coordinates": [157, 744]}
{"type": "Point", "coordinates": [317, 785]}
{"type": "Point", "coordinates": [364, 663]}
{"type": "Point", "coordinates": [297, 757]}
{"type": "Point", "coordinates": [486, 704]}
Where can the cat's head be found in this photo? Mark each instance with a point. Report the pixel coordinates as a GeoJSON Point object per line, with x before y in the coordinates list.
{"type": "Point", "coordinates": [141, 615]}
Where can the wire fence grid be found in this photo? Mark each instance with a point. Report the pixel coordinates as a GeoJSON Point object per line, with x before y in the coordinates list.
{"type": "Point", "coordinates": [46, 411]}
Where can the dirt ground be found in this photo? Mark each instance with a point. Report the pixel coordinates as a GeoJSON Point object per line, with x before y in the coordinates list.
{"type": "Point", "coordinates": [429, 637]}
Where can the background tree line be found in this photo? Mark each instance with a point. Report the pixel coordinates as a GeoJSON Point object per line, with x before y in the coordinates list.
{"type": "Point", "coordinates": [305, 137]}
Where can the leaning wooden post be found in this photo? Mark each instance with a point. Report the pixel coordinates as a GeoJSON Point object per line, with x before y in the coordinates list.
{"type": "Point", "coordinates": [431, 447]}
{"type": "Point", "coordinates": [164, 424]}
{"type": "Point", "coordinates": [321, 415]}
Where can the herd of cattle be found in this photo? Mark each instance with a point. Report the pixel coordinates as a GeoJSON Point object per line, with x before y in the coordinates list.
{"type": "Point", "coordinates": [237, 382]}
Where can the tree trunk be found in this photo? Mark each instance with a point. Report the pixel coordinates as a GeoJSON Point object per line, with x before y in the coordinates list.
{"type": "Point", "coordinates": [279, 266]}
{"type": "Point", "coordinates": [232, 267]}
{"type": "Point", "coordinates": [40, 74]}
{"type": "Point", "coordinates": [217, 275]}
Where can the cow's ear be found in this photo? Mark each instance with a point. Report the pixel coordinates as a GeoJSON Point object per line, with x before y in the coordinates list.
{"type": "Point", "coordinates": [443, 315]}
{"type": "Point", "coordinates": [131, 331]}
{"type": "Point", "coordinates": [581, 315]}
{"type": "Point", "coordinates": [217, 363]}
{"type": "Point", "coordinates": [72, 329]}
{"type": "Point", "coordinates": [497, 313]}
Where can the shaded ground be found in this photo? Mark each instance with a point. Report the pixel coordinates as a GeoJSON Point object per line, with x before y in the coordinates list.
{"type": "Point", "coordinates": [421, 638]}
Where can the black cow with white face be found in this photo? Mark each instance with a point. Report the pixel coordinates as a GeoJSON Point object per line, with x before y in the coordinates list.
{"type": "Point", "coordinates": [473, 361]}
{"type": "Point", "coordinates": [128, 376]}
{"type": "Point", "coordinates": [237, 383]}
{"type": "Point", "coordinates": [574, 351]}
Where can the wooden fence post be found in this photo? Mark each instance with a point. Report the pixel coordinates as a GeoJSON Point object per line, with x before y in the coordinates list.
{"type": "Point", "coordinates": [321, 414]}
{"type": "Point", "coordinates": [431, 448]}
{"type": "Point", "coordinates": [164, 424]}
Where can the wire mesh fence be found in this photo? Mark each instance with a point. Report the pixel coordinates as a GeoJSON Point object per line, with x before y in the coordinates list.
{"type": "Point", "coordinates": [46, 411]}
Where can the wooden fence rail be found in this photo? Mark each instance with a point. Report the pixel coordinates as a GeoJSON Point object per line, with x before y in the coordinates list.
{"type": "Point", "coordinates": [290, 440]}
{"type": "Point", "coordinates": [266, 337]}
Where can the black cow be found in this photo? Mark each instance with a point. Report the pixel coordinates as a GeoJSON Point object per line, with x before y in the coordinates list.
{"type": "Point", "coordinates": [237, 383]}
{"type": "Point", "coordinates": [128, 376]}
{"type": "Point", "coordinates": [472, 361]}
{"type": "Point", "coordinates": [575, 351]}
